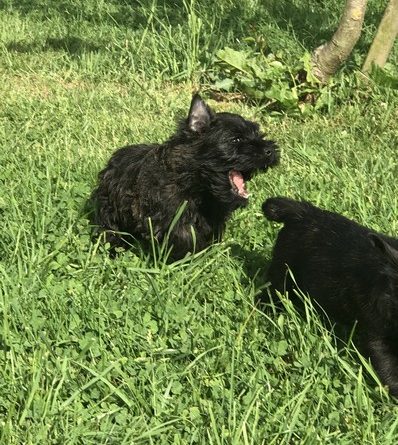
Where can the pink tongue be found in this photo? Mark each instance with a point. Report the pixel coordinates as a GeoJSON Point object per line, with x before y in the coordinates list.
{"type": "Point", "coordinates": [237, 179]}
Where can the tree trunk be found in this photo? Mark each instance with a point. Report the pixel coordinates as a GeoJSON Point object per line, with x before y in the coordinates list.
{"type": "Point", "coordinates": [328, 57]}
{"type": "Point", "coordinates": [384, 39]}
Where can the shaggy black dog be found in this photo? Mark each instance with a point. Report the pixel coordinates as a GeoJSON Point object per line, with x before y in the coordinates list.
{"type": "Point", "coordinates": [205, 165]}
{"type": "Point", "coordinates": [349, 270]}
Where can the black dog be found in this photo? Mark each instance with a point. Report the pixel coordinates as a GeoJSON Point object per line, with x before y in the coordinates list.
{"type": "Point", "coordinates": [350, 271]}
{"type": "Point", "coordinates": [204, 164]}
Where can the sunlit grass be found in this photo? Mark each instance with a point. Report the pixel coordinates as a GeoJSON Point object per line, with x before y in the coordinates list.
{"type": "Point", "coordinates": [123, 351]}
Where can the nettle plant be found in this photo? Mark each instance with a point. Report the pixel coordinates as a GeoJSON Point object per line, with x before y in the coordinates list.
{"type": "Point", "coordinates": [267, 79]}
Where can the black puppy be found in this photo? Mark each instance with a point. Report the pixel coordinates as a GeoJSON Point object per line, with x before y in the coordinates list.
{"type": "Point", "coordinates": [204, 164]}
{"type": "Point", "coordinates": [351, 271]}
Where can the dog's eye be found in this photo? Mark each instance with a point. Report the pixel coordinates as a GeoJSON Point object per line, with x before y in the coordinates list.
{"type": "Point", "coordinates": [236, 140]}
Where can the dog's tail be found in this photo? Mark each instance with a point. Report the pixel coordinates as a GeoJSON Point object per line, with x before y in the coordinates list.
{"type": "Point", "coordinates": [284, 209]}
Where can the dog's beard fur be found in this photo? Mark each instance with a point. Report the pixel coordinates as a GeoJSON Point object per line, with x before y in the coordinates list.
{"type": "Point", "coordinates": [206, 164]}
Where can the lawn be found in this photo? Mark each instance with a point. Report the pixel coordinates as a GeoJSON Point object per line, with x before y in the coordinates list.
{"type": "Point", "coordinates": [135, 351]}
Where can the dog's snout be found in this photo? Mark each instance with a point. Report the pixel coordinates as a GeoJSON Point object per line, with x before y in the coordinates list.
{"type": "Point", "coordinates": [271, 154]}
{"type": "Point", "coordinates": [270, 150]}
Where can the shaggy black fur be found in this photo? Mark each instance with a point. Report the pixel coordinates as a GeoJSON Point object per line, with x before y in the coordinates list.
{"type": "Point", "coordinates": [350, 270]}
{"type": "Point", "coordinates": [205, 164]}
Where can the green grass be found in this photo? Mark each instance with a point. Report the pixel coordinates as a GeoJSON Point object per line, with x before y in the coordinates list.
{"type": "Point", "coordinates": [100, 351]}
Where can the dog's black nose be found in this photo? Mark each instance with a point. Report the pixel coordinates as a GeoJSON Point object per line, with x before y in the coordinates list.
{"type": "Point", "coordinates": [269, 152]}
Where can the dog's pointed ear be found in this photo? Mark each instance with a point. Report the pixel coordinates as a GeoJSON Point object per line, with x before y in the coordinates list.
{"type": "Point", "coordinates": [200, 115]}
{"type": "Point", "coordinates": [385, 247]}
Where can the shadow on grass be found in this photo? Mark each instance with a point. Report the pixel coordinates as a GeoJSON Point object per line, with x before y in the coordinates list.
{"type": "Point", "coordinates": [236, 19]}
{"type": "Point", "coordinates": [116, 12]}
{"type": "Point", "coordinates": [254, 263]}
{"type": "Point", "coordinates": [310, 23]}
{"type": "Point", "coordinates": [314, 22]}
{"type": "Point", "coordinates": [73, 45]}
{"type": "Point", "coordinates": [309, 26]}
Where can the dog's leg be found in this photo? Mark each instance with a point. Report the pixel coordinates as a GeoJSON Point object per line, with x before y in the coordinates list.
{"type": "Point", "coordinates": [384, 358]}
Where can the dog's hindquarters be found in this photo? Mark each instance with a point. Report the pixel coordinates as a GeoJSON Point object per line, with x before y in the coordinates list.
{"type": "Point", "coordinates": [110, 202]}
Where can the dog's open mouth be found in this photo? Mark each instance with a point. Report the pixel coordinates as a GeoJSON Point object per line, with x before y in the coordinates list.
{"type": "Point", "coordinates": [238, 184]}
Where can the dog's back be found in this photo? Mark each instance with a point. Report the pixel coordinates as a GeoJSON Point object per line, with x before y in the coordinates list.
{"type": "Point", "coordinates": [118, 175]}
{"type": "Point", "coordinates": [331, 257]}
{"type": "Point", "coordinates": [351, 271]}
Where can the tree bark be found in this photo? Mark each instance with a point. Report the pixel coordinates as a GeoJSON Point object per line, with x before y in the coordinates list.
{"type": "Point", "coordinates": [327, 58]}
{"type": "Point", "coordinates": [384, 38]}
